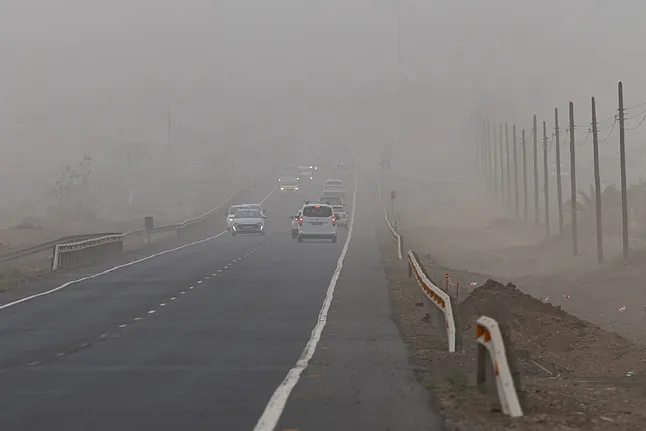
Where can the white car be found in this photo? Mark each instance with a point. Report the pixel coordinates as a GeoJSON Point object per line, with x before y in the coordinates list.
{"type": "Point", "coordinates": [317, 221]}
{"type": "Point", "coordinates": [231, 214]}
{"type": "Point", "coordinates": [340, 215]}
{"type": "Point", "coordinates": [247, 220]}
{"type": "Point", "coordinates": [334, 182]}
{"type": "Point", "coordinates": [305, 173]}
{"type": "Point", "coordinates": [259, 208]}
{"type": "Point", "coordinates": [295, 221]}
{"type": "Point", "coordinates": [334, 191]}
{"type": "Point", "coordinates": [332, 201]}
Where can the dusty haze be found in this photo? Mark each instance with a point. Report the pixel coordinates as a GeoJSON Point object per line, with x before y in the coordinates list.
{"type": "Point", "coordinates": [286, 77]}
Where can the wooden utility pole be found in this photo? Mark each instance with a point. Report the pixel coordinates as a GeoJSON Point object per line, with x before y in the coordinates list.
{"type": "Point", "coordinates": [559, 195]}
{"type": "Point", "coordinates": [525, 197]}
{"type": "Point", "coordinates": [536, 214]}
{"type": "Point", "coordinates": [488, 143]}
{"type": "Point", "coordinates": [546, 184]}
{"type": "Point", "coordinates": [508, 167]}
{"type": "Point", "coordinates": [495, 163]}
{"type": "Point", "coordinates": [573, 208]}
{"type": "Point", "coordinates": [597, 182]}
{"type": "Point", "coordinates": [516, 207]}
{"type": "Point", "coordinates": [622, 158]}
{"type": "Point", "coordinates": [502, 166]}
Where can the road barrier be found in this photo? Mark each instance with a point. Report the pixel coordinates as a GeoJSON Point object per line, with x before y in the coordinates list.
{"type": "Point", "coordinates": [490, 340]}
{"type": "Point", "coordinates": [89, 250]}
{"type": "Point", "coordinates": [437, 296]}
{"type": "Point", "coordinates": [68, 254]}
{"type": "Point", "coordinates": [396, 236]}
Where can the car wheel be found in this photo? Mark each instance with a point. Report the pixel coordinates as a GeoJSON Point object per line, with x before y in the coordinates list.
{"type": "Point", "coordinates": [262, 233]}
{"type": "Point", "coordinates": [334, 238]}
{"type": "Point", "coordinates": [300, 238]}
{"type": "Point", "coordinates": [233, 234]}
{"type": "Point", "coordinates": [294, 234]}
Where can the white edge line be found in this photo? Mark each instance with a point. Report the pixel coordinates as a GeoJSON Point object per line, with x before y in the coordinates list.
{"type": "Point", "coordinates": [278, 400]}
{"type": "Point", "coordinates": [107, 271]}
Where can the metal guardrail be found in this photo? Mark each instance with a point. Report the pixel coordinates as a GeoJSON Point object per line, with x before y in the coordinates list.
{"type": "Point", "coordinates": [490, 340]}
{"type": "Point", "coordinates": [396, 236]}
{"type": "Point", "coordinates": [66, 246]}
{"type": "Point", "coordinates": [437, 296]}
{"type": "Point", "coordinates": [69, 254]}
{"type": "Point", "coordinates": [48, 245]}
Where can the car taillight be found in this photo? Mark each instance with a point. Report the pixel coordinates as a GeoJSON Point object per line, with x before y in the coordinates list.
{"type": "Point", "coordinates": [334, 221]}
{"type": "Point", "coordinates": [300, 221]}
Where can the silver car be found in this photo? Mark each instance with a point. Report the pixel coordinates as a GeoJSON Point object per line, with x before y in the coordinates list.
{"type": "Point", "coordinates": [231, 214]}
{"type": "Point", "coordinates": [248, 221]}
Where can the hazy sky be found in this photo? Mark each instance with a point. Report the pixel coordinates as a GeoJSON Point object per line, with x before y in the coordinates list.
{"type": "Point", "coordinates": [83, 75]}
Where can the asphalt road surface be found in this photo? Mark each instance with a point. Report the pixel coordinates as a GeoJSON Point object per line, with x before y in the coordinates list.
{"type": "Point", "coordinates": [202, 337]}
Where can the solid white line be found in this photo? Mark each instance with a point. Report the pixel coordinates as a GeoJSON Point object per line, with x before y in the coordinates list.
{"type": "Point", "coordinates": [267, 197]}
{"type": "Point", "coordinates": [134, 262]}
{"type": "Point", "coordinates": [278, 400]}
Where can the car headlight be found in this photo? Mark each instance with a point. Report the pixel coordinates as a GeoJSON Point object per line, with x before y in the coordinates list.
{"type": "Point", "coordinates": [295, 188]}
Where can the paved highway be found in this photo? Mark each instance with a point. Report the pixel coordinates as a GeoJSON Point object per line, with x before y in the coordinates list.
{"type": "Point", "coordinates": [209, 336]}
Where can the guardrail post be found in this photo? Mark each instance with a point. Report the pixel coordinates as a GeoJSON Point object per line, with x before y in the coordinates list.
{"type": "Point", "coordinates": [56, 257]}
{"type": "Point", "coordinates": [489, 337]}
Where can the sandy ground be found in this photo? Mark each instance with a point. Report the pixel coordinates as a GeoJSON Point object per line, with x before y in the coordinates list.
{"type": "Point", "coordinates": [457, 226]}
{"type": "Point", "coordinates": [568, 317]}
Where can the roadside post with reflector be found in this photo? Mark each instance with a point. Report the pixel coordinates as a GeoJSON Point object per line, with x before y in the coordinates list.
{"type": "Point", "coordinates": [491, 349]}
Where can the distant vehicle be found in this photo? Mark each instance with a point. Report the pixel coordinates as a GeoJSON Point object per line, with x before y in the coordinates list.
{"type": "Point", "coordinates": [295, 221]}
{"type": "Point", "coordinates": [231, 214]}
{"type": "Point", "coordinates": [259, 208]}
{"type": "Point", "coordinates": [330, 200]}
{"type": "Point", "coordinates": [289, 172]}
{"type": "Point", "coordinates": [334, 191]}
{"type": "Point", "coordinates": [343, 167]}
{"type": "Point", "coordinates": [340, 215]}
{"type": "Point", "coordinates": [289, 186]}
{"type": "Point", "coordinates": [334, 182]}
{"type": "Point", "coordinates": [305, 172]}
{"type": "Point", "coordinates": [317, 221]}
{"type": "Point", "coordinates": [246, 221]}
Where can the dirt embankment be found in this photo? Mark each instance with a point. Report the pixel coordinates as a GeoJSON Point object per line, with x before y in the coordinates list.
{"type": "Point", "coordinates": [576, 375]}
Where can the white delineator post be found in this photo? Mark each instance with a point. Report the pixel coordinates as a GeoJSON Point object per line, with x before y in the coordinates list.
{"type": "Point", "coordinates": [490, 341]}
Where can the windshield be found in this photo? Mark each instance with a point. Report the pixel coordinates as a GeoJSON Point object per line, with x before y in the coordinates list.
{"type": "Point", "coordinates": [248, 214]}
{"type": "Point", "coordinates": [290, 182]}
{"type": "Point", "coordinates": [338, 209]}
{"type": "Point", "coordinates": [334, 183]}
{"type": "Point", "coordinates": [255, 207]}
{"type": "Point", "coordinates": [334, 188]}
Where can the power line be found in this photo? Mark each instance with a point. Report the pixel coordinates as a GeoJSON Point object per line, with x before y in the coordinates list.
{"type": "Point", "coordinates": [586, 139]}
{"type": "Point", "coordinates": [632, 107]}
{"type": "Point", "coordinates": [637, 126]}
{"type": "Point", "coordinates": [609, 133]}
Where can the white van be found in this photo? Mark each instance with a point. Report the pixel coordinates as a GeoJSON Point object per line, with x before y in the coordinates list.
{"type": "Point", "coordinates": [317, 221]}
